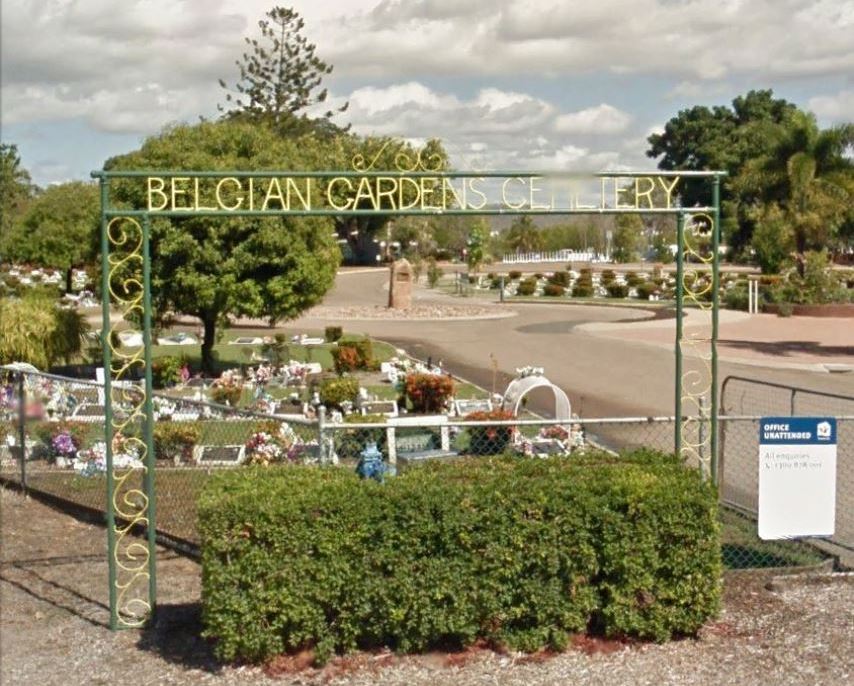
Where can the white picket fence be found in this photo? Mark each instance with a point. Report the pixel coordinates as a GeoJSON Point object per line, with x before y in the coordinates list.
{"type": "Point", "coordinates": [555, 256]}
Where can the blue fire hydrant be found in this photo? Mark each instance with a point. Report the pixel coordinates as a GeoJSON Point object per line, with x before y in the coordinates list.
{"type": "Point", "coordinates": [371, 465]}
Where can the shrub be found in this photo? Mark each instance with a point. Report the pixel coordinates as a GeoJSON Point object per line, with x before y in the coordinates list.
{"type": "Point", "coordinates": [633, 280]}
{"type": "Point", "coordinates": [331, 334]}
{"type": "Point", "coordinates": [166, 371]}
{"type": "Point", "coordinates": [560, 279]}
{"type": "Point", "coordinates": [527, 287]}
{"type": "Point", "coordinates": [538, 275]}
{"type": "Point", "coordinates": [646, 289]}
{"type": "Point", "coordinates": [434, 273]}
{"type": "Point", "coordinates": [737, 298]}
{"type": "Point", "coordinates": [175, 440]}
{"type": "Point", "coordinates": [428, 393]}
{"type": "Point", "coordinates": [617, 290]}
{"type": "Point", "coordinates": [519, 553]}
{"type": "Point", "coordinates": [553, 289]}
{"type": "Point", "coordinates": [333, 392]}
{"type": "Point", "coordinates": [583, 286]}
{"type": "Point", "coordinates": [608, 276]}
{"type": "Point", "coordinates": [490, 440]}
{"type": "Point", "coordinates": [514, 275]}
{"type": "Point", "coordinates": [349, 356]}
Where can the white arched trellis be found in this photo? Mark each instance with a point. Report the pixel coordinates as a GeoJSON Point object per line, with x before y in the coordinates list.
{"type": "Point", "coordinates": [520, 387]}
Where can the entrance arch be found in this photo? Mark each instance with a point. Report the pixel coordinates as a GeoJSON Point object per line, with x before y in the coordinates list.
{"type": "Point", "coordinates": [414, 188]}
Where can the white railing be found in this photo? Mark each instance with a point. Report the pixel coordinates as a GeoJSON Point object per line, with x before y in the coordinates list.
{"type": "Point", "coordinates": [554, 256]}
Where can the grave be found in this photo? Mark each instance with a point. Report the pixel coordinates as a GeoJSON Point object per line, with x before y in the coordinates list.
{"type": "Point", "coordinates": [219, 455]}
{"type": "Point", "coordinates": [385, 407]}
{"type": "Point", "coordinates": [464, 407]}
{"type": "Point", "coordinates": [400, 285]}
{"type": "Point", "coordinates": [416, 443]}
{"type": "Point", "coordinates": [89, 412]}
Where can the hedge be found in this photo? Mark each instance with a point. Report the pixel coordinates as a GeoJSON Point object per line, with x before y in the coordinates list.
{"type": "Point", "coordinates": [520, 553]}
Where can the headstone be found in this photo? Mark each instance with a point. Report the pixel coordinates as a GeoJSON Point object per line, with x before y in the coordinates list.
{"type": "Point", "coordinates": [400, 285]}
{"type": "Point", "coordinates": [219, 454]}
{"type": "Point", "coordinates": [386, 407]}
{"type": "Point", "coordinates": [464, 407]}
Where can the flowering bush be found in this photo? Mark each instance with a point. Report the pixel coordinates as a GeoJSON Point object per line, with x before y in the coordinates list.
{"type": "Point", "coordinates": [227, 389]}
{"type": "Point", "coordinates": [490, 440]}
{"type": "Point", "coordinates": [272, 444]}
{"type": "Point", "coordinates": [428, 393]}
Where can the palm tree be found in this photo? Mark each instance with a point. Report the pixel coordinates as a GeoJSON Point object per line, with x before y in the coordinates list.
{"type": "Point", "coordinates": [808, 175]}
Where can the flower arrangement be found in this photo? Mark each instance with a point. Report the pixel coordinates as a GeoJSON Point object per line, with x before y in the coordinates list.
{"type": "Point", "coordinates": [428, 393]}
{"type": "Point", "coordinates": [228, 388]}
{"type": "Point", "coordinates": [63, 446]}
{"type": "Point", "coordinates": [269, 446]}
{"type": "Point", "coordinates": [490, 440]}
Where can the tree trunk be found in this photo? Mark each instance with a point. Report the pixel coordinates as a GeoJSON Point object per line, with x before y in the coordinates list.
{"type": "Point", "coordinates": [68, 274]}
{"type": "Point", "coordinates": [208, 344]}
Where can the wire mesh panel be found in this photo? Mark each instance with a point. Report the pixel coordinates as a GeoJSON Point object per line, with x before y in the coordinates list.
{"type": "Point", "coordinates": [194, 439]}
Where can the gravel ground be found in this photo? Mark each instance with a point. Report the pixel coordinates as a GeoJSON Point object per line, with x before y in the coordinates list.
{"type": "Point", "coordinates": [783, 630]}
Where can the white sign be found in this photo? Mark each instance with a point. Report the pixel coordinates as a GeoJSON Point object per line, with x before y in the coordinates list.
{"type": "Point", "coordinates": [797, 477]}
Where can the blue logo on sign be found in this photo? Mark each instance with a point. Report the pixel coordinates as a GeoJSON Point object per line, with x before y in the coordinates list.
{"type": "Point", "coordinates": [797, 431]}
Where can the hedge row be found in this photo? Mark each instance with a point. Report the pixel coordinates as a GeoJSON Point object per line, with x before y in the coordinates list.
{"type": "Point", "coordinates": [522, 553]}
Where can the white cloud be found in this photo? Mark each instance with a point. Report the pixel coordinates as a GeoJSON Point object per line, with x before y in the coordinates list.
{"type": "Point", "coordinates": [836, 108]}
{"type": "Point", "coordinates": [602, 119]}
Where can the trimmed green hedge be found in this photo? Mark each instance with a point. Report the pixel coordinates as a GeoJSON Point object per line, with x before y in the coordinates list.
{"type": "Point", "coordinates": [522, 553]}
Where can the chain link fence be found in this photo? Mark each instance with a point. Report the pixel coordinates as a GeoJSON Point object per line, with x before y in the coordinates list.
{"type": "Point", "coordinates": [61, 424]}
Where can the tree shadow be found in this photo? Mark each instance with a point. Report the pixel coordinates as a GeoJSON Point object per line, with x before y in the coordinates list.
{"type": "Point", "coordinates": [788, 348]}
{"type": "Point", "coordinates": [175, 636]}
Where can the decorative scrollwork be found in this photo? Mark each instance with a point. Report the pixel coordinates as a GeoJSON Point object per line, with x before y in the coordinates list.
{"type": "Point", "coordinates": [405, 160]}
{"type": "Point", "coordinates": [696, 346]}
{"type": "Point", "coordinates": [127, 401]}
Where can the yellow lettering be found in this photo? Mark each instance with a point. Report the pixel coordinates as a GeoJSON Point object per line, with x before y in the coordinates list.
{"type": "Point", "coordinates": [668, 189]}
{"type": "Point", "coordinates": [251, 193]}
{"type": "Point", "coordinates": [617, 191]}
{"type": "Point", "coordinates": [330, 189]}
{"type": "Point", "coordinates": [197, 194]}
{"type": "Point", "coordinates": [161, 184]}
{"type": "Point", "coordinates": [471, 185]}
{"type": "Point", "coordinates": [533, 189]}
{"type": "Point", "coordinates": [178, 192]}
{"type": "Point", "coordinates": [575, 199]}
{"type": "Point", "coordinates": [427, 186]}
{"type": "Point", "coordinates": [305, 200]}
{"type": "Point", "coordinates": [388, 193]}
{"type": "Point", "coordinates": [274, 190]}
{"type": "Point", "coordinates": [220, 201]}
{"type": "Point", "coordinates": [504, 199]}
{"type": "Point", "coordinates": [647, 193]}
{"type": "Point", "coordinates": [413, 185]}
{"type": "Point", "coordinates": [365, 191]}
{"type": "Point", "coordinates": [457, 201]}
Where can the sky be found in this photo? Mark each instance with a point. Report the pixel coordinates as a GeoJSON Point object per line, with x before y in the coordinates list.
{"type": "Point", "coordinates": [505, 84]}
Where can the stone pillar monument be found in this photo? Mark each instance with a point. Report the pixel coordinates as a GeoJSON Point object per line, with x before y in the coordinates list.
{"type": "Point", "coordinates": [400, 285]}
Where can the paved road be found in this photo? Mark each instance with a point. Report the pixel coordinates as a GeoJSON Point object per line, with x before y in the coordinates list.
{"type": "Point", "coordinates": [604, 376]}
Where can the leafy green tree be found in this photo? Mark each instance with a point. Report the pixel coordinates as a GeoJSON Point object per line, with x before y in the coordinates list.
{"type": "Point", "coordinates": [219, 268]}
{"type": "Point", "coordinates": [523, 236]}
{"type": "Point", "coordinates": [478, 237]}
{"type": "Point", "coordinates": [772, 239]}
{"type": "Point", "coordinates": [16, 191]}
{"type": "Point", "coordinates": [35, 330]}
{"type": "Point", "coordinates": [809, 175]}
{"type": "Point", "coordinates": [280, 78]}
{"type": "Point", "coordinates": [60, 228]}
{"type": "Point", "coordinates": [722, 138]}
{"type": "Point", "coordinates": [627, 235]}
